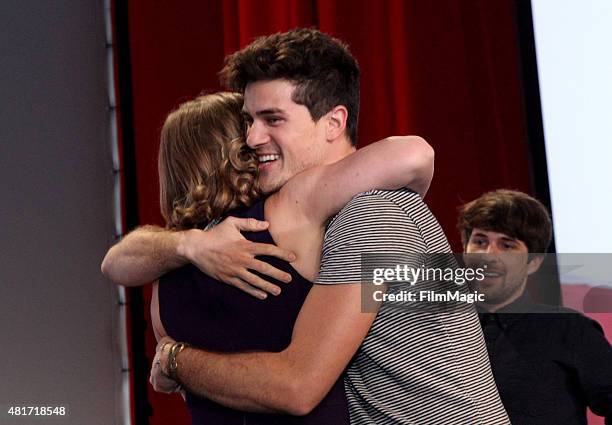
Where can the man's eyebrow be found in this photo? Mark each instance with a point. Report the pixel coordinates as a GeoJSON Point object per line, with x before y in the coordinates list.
{"type": "Point", "coordinates": [268, 111]}
{"type": "Point", "coordinates": [502, 237]}
{"type": "Point", "coordinates": [509, 239]}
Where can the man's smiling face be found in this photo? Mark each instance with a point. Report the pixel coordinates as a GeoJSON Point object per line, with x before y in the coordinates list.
{"type": "Point", "coordinates": [282, 133]}
{"type": "Point", "coordinates": [506, 262]}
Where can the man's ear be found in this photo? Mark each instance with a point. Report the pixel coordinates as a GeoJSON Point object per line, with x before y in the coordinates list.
{"type": "Point", "coordinates": [336, 122]}
{"type": "Point", "coordinates": [534, 264]}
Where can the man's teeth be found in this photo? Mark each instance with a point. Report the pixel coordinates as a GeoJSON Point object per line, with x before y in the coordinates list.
{"type": "Point", "coordinates": [267, 158]}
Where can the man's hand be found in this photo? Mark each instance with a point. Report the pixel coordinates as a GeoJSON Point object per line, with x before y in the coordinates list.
{"type": "Point", "coordinates": [161, 382]}
{"type": "Point", "coordinates": [148, 252]}
{"type": "Point", "coordinates": [224, 254]}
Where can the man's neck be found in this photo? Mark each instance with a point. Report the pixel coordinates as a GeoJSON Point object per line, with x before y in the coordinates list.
{"type": "Point", "coordinates": [339, 150]}
{"type": "Point", "coordinates": [493, 308]}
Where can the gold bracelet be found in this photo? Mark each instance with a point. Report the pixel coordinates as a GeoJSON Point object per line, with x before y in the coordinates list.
{"type": "Point", "coordinates": [171, 363]}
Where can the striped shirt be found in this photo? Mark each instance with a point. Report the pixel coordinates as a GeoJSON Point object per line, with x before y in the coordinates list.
{"type": "Point", "coordinates": [415, 366]}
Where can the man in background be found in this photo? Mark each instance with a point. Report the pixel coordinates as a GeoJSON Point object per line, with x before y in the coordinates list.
{"type": "Point", "coordinates": [549, 363]}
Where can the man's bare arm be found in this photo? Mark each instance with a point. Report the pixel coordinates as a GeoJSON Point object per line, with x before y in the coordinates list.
{"type": "Point", "coordinates": [391, 163]}
{"type": "Point", "coordinates": [148, 252]}
{"type": "Point", "coordinates": [143, 256]}
{"type": "Point", "coordinates": [328, 332]}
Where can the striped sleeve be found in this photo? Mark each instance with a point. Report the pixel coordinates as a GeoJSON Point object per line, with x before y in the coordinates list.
{"type": "Point", "coordinates": [368, 224]}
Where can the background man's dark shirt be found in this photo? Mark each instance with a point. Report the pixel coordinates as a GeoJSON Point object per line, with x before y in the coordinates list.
{"type": "Point", "coordinates": [549, 363]}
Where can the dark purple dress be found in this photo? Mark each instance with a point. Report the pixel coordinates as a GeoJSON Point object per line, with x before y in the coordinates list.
{"type": "Point", "coordinates": [203, 312]}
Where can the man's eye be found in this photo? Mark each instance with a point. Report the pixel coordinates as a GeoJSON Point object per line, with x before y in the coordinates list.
{"type": "Point", "coordinates": [273, 120]}
{"type": "Point", "coordinates": [478, 244]}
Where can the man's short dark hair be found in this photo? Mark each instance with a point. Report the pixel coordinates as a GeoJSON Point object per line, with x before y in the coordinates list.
{"type": "Point", "coordinates": [322, 68]}
{"type": "Point", "coordinates": [513, 213]}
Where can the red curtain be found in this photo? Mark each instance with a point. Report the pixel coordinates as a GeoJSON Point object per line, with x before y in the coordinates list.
{"type": "Point", "coordinates": [447, 70]}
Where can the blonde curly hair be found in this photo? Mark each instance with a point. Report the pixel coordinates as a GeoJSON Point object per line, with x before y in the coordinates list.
{"type": "Point", "coordinates": [205, 166]}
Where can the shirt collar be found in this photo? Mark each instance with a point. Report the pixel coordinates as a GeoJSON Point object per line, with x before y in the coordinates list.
{"type": "Point", "coordinates": [522, 304]}
{"type": "Point", "coordinates": [511, 312]}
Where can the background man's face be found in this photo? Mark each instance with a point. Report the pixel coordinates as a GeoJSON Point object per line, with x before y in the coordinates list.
{"type": "Point", "coordinates": [282, 133]}
{"type": "Point", "coordinates": [506, 261]}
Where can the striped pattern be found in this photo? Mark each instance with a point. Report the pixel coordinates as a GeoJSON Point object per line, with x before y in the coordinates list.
{"type": "Point", "coordinates": [415, 366]}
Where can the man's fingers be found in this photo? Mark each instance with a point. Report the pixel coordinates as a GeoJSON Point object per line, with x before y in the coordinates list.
{"type": "Point", "coordinates": [269, 270]}
{"type": "Point", "coordinates": [257, 282]}
{"type": "Point", "coordinates": [243, 286]}
{"type": "Point", "coordinates": [249, 224]}
{"type": "Point", "coordinates": [272, 251]}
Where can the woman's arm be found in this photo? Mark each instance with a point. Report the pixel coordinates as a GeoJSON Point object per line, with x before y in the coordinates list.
{"type": "Point", "coordinates": [156, 323]}
{"type": "Point", "coordinates": [159, 381]}
{"type": "Point", "coordinates": [391, 163]}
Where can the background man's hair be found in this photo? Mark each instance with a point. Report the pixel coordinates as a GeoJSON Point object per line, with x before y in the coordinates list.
{"type": "Point", "coordinates": [322, 68]}
{"type": "Point", "coordinates": [513, 213]}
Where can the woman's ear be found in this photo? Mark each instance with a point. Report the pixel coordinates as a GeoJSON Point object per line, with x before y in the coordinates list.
{"type": "Point", "coordinates": [336, 122]}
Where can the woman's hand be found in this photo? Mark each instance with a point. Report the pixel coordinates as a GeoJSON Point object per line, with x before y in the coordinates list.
{"type": "Point", "coordinates": [161, 382]}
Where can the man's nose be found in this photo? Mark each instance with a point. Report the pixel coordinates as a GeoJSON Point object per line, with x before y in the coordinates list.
{"type": "Point", "coordinates": [256, 135]}
{"type": "Point", "coordinates": [492, 249]}
{"type": "Point", "coordinates": [492, 253]}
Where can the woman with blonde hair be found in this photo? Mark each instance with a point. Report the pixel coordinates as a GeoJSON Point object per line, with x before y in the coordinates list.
{"type": "Point", "coordinates": [205, 167]}
{"type": "Point", "coordinates": [208, 173]}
